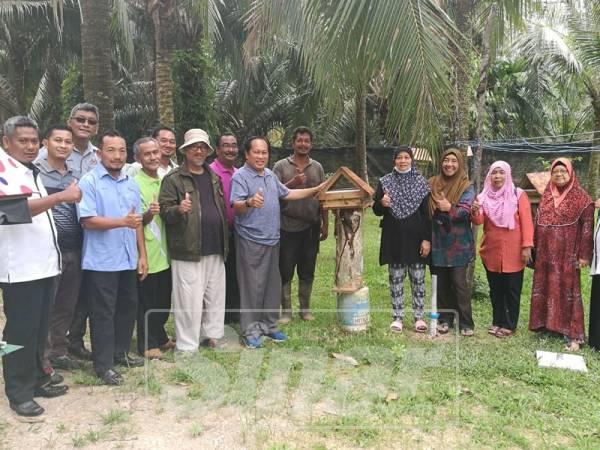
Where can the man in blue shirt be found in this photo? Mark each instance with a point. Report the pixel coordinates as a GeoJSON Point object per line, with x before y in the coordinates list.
{"type": "Point", "coordinates": [113, 250]}
{"type": "Point", "coordinates": [255, 194]}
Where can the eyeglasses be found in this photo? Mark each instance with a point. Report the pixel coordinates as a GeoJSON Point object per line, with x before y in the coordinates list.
{"type": "Point", "coordinates": [81, 120]}
{"type": "Point", "coordinates": [226, 145]}
{"type": "Point", "coordinates": [559, 172]}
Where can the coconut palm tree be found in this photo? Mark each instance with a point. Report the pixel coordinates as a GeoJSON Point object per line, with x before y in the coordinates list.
{"type": "Point", "coordinates": [343, 46]}
{"type": "Point", "coordinates": [564, 44]}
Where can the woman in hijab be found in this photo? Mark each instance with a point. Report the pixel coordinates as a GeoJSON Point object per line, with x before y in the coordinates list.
{"type": "Point", "coordinates": [505, 213]}
{"type": "Point", "coordinates": [401, 198]}
{"type": "Point", "coordinates": [452, 246]}
{"type": "Point", "coordinates": [594, 337]}
{"type": "Point", "coordinates": [563, 245]}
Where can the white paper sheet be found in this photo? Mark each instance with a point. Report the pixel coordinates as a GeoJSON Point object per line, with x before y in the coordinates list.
{"type": "Point", "coordinates": [561, 361]}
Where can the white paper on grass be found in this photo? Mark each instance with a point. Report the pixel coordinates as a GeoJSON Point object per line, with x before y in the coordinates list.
{"type": "Point", "coordinates": [561, 361]}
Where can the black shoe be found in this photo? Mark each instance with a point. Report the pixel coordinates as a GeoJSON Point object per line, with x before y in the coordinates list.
{"type": "Point", "coordinates": [111, 378]}
{"type": "Point", "coordinates": [129, 361]}
{"type": "Point", "coordinates": [65, 362]}
{"type": "Point", "coordinates": [28, 409]}
{"type": "Point", "coordinates": [50, 391]}
{"type": "Point", "coordinates": [80, 353]}
{"type": "Point", "coordinates": [56, 378]}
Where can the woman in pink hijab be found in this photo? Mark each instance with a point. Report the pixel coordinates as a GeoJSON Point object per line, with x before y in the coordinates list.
{"type": "Point", "coordinates": [505, 213]}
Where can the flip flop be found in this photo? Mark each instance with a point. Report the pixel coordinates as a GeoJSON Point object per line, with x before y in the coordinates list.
{"type": "Point", "coordinates": [443, 328]}
{"type": "Point", "coordinates": [493, 329]}
{"type": "Point", "coordinates": [396, 326]}
{"type": "Point", "coordinates": [467, 332]}
{"type": "Point", "coordinates": [420, 326]}
{"type": "Point", "coordinates": [503, 332]}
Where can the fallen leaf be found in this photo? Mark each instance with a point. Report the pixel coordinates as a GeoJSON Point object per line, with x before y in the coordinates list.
{"type": "Point", "coordinates": [346, 358]}
{"type": "Point", "coordinates": [391, 397]}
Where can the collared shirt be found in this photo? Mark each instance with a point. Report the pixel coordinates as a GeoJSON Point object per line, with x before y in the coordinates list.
{"type": "Point", "coordinates": [225, 174]}
{"type": "Point", "coordinates": [300, 214]}
{"type": "Point", "coordinates": [155, 235]}
{"type": "Point", "coordinates": [260, 225]}
{"type": "Point", "coordinates": [134, 168]}
{"type": "Point", "coordinates": [70, 235]}
{"type": "Point", "coordinates": [115, 249]}
{"type": "Point", "coordinates": [29, 251]}
{"type": "Point", "coordinates": [79, 162]}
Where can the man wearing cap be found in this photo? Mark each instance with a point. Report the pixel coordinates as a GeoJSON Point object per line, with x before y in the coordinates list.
{"type": "Point", "coordinates": [193, 209]}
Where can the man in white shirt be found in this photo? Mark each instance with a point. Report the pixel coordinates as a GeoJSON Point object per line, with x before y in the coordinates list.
{"type": "Point", "coordinates": [28, 273]}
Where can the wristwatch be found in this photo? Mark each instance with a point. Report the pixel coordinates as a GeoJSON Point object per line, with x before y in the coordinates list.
{"type": "Point", "coordinates": [248, 205]}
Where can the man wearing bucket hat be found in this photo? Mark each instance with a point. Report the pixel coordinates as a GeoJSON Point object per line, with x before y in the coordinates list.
{"type": "Point", "coordinates": [192, 206]}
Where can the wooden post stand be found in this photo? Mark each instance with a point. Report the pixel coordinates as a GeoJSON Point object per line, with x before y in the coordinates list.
{"type": "Point", "coordinates": [348, 206]}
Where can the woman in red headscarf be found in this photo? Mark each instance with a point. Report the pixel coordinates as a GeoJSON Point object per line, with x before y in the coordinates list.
{"type": "Point", "coordinates": [563, 244]}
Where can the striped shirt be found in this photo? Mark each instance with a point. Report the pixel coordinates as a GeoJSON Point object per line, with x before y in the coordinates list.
{"type": "Point", "coordinates": [70, 235]}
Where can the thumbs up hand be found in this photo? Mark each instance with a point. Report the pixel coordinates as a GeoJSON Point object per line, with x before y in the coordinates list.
{"type": "Point", "coordinates": [257, 200]}
{"type": "Point", "coordinates": [386, 201]}
{"type": "Point", "coordinates": [72, 194]}
{"type": "Point", "coordinates": [444, 205]}
{"type": "Point", "coordinates": [298, 180]}
{"type": "Point", "coordinates": [154, 207]}
{"type": "Point", "coordinates": [475, 208]}
{"type": "Point", "coordinates": [186, 204]}
{"type": "Point", "coordinates": [132, 219]}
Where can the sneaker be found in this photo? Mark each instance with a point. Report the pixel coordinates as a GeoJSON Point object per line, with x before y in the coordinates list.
{"type": "Point", "coordinates": [253, 342]}
{"type": "Point", "coordinates": [277, 336]}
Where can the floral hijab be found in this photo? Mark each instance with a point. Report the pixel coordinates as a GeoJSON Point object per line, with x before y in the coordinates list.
{"type": "Point", "coordinates": [405, 189]}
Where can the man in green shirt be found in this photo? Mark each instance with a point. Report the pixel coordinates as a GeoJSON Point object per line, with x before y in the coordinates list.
{"type": "Point", "coordinates": [155, 291]}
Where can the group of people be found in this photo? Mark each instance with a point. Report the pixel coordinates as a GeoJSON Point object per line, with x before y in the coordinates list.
{"type": "Point", "coordinates": [430, 222]}
{"type": "Point", "coordinates": [123, 243]}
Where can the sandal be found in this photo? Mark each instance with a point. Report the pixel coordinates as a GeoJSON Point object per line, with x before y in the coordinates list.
{"type": "Point", "coordinates": [420, 326]}
{"type": "Point", "coordinates": [493, 329]}
{"type": "Point", "coordinates": [503, 332]}
{"type": "Point", "coordinates": [466, 332]}
{"type": "Point", "coordinates": [573, 346]}
{"type": "Point", "coordinates": [396, 326]}
{"type": "Point", "coordinates": [443, 328]}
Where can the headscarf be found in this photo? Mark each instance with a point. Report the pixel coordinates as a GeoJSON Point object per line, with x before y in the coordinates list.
{"type": "Point", "coordinates": [562, 208]}
{"type": "Point", "coordinates": [450, 187]}
{"type": "Point", "coordinates": [500, 205]}
{"type": "Point", "coordinates": [406, 190]}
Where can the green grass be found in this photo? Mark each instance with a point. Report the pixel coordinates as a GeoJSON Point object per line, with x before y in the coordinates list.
{"type": "Point", "coordinates": [482, 391]}
{"type": "Point", "coordinates": [407, 391]}
{"type": "Point", "coordinates": [115, 416]}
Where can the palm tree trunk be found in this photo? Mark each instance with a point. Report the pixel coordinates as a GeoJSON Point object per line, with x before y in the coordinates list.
{"type": "Point", "coordinates": [96, 59]}
{"type": "Point", "coordinates": [361, 135]}
{"type": "Point", "coordinates": [160, 11]}
{"type": "Point", "coordinates": [481, 94]}
{"type": "Point", "coordinates": [462, 12]}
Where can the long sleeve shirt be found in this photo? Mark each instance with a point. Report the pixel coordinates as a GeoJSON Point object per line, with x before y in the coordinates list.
{"type": "Point", "coordinates": [500, 247]}
{"type": "Point", "coordinates": [452, 238]}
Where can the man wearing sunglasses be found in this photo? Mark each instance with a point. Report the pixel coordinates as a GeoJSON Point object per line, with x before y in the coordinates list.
{"type": "Point", "coordinates": [84, 123]}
